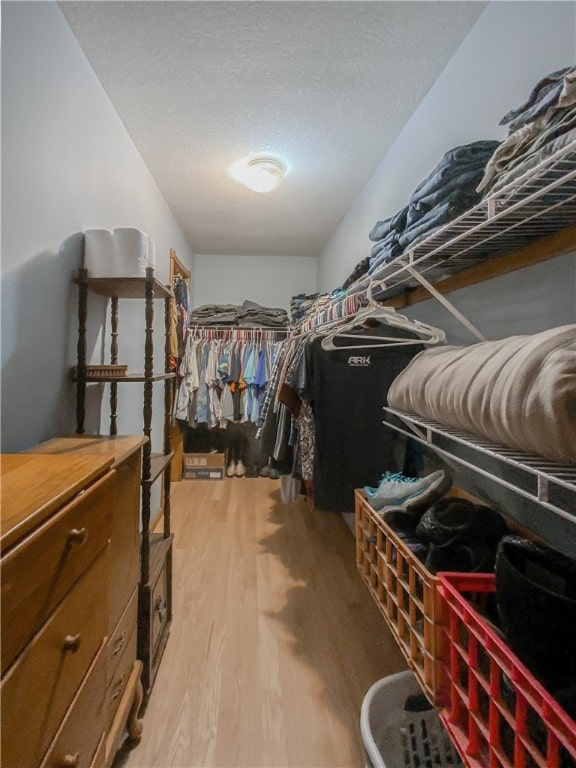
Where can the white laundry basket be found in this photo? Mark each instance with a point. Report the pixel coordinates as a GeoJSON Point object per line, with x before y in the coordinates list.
{"type": "Point", "coordinates": [394, 738]}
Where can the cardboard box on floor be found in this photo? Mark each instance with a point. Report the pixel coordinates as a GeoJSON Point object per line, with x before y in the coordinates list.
{"type": "Point", "coordinates": [203, 466]}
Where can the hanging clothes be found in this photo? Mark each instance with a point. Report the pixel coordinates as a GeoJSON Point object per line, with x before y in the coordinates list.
{"type": "Point", "coordinates": [224, 376]}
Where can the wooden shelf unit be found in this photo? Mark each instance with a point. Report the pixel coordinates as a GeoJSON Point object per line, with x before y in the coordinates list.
{"type": "Point", "coordinates": [150, 646]}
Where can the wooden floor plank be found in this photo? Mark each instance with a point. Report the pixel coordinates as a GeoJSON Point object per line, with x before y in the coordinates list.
{"type": "Point", "coordinates": [275, 639]}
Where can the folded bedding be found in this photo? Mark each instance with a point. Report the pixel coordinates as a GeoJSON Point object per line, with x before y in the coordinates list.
{"type": "Point", "coordinates": [519, 391]}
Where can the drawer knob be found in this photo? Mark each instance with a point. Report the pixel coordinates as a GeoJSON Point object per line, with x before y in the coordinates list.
{"type": "Point", "coordinates": [72, 643]}
{"type": "Point", "coordinates": [69, 761]}
{"type": "Point", "coordinates": [78, 536]}
{"type": "Point", "coordinates": [161, 608]}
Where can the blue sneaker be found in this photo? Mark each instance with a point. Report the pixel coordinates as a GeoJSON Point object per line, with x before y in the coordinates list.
{"type": "Point", "coordinates": [371, 491]}
{"type": "Point", "coordinates": [399, 491]}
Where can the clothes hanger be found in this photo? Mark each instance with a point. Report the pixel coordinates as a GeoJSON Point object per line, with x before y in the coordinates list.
{"type": "Point", "coordinates": [428, 334]}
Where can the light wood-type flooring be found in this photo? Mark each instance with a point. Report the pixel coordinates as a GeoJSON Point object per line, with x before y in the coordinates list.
{"type": "Point", "coordinates": [275, 639]}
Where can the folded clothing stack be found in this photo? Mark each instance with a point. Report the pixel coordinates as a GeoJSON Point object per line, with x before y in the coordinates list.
{"type": "Point", "coordinates": [122, 252]}
{"type": "Point", "coordinates": [301, 304]}
{"type": "Point", "coordinates": [323, 301]}
{"type": "Point", "coordinates": [254, 315]}
{"type": "Point", "coordinates": [543, 125]}
{"type": "Point", "coordinates": [249, 315]}
{"type": "Point", "coordinates": [448, 191]}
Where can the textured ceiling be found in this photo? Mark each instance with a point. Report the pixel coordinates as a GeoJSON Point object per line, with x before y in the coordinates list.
{"type": "Point", "coordinates": [326, 86]}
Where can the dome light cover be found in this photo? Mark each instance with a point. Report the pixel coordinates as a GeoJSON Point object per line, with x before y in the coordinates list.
{"type": "Point", "coordinates": [260, 174]}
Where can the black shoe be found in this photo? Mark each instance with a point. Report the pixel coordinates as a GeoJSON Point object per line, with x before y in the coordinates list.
{"type": "Point", "coordinates": [453, 520]}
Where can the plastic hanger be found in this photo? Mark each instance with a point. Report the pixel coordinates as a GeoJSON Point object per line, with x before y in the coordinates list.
{"type": "Point", "coordinates": [428, 334]}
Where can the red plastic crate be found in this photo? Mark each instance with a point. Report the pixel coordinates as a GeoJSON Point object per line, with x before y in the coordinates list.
{"type": "Point", "coordinates": [498, 714]}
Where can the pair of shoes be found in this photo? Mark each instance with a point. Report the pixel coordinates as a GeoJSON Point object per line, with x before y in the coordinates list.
{"type": "Point", "coordinates": [396, 490]}
{"type": "Point", "coordinates": [265, 471]}
{"type": "Point", "coordinates": [235, 469]}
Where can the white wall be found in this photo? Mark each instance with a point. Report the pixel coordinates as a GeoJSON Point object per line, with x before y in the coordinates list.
{"type": "Point", "coordinates": [511, 46]}
{"type": "Point", "coordinates": [68, 164]}
{"type": "Point", "coordinates": [267, 280]}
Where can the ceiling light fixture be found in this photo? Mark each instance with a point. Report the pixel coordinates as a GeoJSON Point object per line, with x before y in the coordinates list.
{"type": "Point", "coordinates": [260, 174]}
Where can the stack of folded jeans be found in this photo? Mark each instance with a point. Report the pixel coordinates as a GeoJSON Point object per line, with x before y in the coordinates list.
{"type": "Point", "coordinates": [448, 191]}
{"type": "Point", "coordinates": [543, 125]}
{"type": "Point", "coordinates": [301, 304]}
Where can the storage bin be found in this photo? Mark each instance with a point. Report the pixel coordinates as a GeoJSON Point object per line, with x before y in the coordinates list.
{"type": "Point", "coordinates": [405, 592]}
{"type": "Point", "coordinates": [497, 713]}
{"type": "Point", "coordinates": [394, 738]}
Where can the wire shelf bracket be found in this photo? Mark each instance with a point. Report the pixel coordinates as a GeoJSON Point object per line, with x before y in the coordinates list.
{"type": "Point", "coordinates": [550, 484]}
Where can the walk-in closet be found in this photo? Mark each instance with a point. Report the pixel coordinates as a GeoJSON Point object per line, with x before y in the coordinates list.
{"type": "Point", "coordinates": [288, 399]}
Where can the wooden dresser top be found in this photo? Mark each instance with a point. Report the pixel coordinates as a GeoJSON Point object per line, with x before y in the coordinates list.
{"type": "Point", "coordinates": [119, 447]}
{"type": "Point", "coordinates": [34, 486]}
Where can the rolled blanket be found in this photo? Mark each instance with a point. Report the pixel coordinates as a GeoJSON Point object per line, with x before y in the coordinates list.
{"type": "Point", "coordinates": [519, 392]}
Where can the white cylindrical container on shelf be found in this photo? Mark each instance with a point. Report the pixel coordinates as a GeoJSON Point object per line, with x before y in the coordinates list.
{"type": "Point", "coordinates": [98, 252]}
{"type": "Point", "coordinates": [130, 252]}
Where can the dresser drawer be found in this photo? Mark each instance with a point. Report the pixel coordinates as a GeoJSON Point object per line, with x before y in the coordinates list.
{"type": "Point", "coordinates": [159, 607]}
{"type": "Point", "coordinates": [122, 634]}
{"type": "Point", "coordinates": [39, 571]}
{"type": "Point", "coordinates": [41, 684]}
{"type": "Point", "coordinates": [99, 759]}
{"type": "Point", "coordinates": [76, 743]}
{"type": "Point", "coordinates": [120, 678]}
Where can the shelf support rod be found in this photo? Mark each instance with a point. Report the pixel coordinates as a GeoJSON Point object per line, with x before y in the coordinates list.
{"type": "Point", "coordinates": [444, 301]}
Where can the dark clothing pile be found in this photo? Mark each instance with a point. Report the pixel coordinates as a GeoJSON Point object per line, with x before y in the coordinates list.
{"type": "Point", "coordinates": [214, 314]}
{"type": "Point", "coordinates": [451, 535]}
{"type": "Point", "coordinates": [543, 125]}
{"type": "Point", "coordinates": [448, 191]}
{"type": "Point", "coordinates": [300, 305]}
{"type": "Point", "coordinates": [248, 315]}
{"type": "Point", "coordinates": [360, 269]}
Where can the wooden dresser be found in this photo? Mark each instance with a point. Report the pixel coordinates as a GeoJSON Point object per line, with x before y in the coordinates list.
{"type": "Point", "coordinates": [70, 568]}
